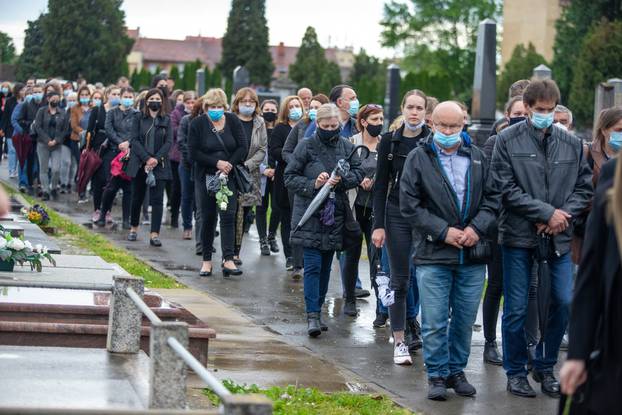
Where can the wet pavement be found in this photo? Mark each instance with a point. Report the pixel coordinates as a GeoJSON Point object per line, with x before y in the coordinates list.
{"type": "Point", "coordinates": [266, 295]}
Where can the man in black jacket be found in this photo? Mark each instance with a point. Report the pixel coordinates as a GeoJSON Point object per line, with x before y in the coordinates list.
{"type": "Point", "coordinates": [445, 196]}
{"type": "Point", "coordinates": [544, 182]}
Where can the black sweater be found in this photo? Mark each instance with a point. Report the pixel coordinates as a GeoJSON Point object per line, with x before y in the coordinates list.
{"type": "Point", "coordinates": [205, 148]}
{"type": "Point", "coordinates": [275, 153]}
{"type": "Point", "coordinates": [388, 172]}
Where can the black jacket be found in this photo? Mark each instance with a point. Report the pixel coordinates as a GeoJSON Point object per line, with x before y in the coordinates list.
{"type": "Point", "coordinates": [163, 141]}
{"type": "Point", "coordinates": [5, 122]}
{"type": "Point", "coordinates": [182, 140]}
{"type": "Point", "coordinates": [536, 174]}
{"type": "Point", "coordinates": [275, 152]}
{"type": "Point", "coordinates": [119, 125]}
{"type": "Point", "coordinates": [392, 152]}
{"type": "Point", "coordinates": [300, 176]}
{"type": "Point", "coordinates": [28, 114]}
{"type": "Point", "coordinates": [429, 203]}
{"type": "Point", "coordinates": [295, 136]}
{"type": "Point", "coordinates": [97, 129]}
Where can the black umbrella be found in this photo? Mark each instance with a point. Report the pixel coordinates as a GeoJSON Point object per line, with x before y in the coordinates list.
{"type": "Point", "coordinates": [543, 254]}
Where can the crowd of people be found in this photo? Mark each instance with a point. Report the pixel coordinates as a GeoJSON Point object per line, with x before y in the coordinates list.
{"type": "Point", "coordinates": [435, 212]}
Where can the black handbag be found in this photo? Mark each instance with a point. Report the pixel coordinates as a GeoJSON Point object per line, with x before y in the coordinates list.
{"type": "Point", "coordinates": [480, 253]}
{"type": "Point", "coordinates": [242, 177]}
{"type": "Point", "coordinates": [352, 234]}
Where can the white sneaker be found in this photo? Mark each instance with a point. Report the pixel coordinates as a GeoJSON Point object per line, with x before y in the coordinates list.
{"type": "Point", "coordinates": [401, 356]}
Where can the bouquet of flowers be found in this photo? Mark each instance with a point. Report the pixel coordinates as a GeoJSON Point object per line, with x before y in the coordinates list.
{"type": "Point", "coordinates": [37, 215]}
{"type": "Point", "coordinates": [19, 251]}
{"type": "Point", "coordinates": [223, 194]}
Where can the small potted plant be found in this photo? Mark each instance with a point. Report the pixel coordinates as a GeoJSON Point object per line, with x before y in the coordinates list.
{"type": "Point", "coordinates": [16, 250]}
{"type": "Point", "coordinates": [38, 215]}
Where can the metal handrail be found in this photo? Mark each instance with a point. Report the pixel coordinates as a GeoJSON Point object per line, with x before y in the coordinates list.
{"type": "Point", "coordinates": [142, 306]}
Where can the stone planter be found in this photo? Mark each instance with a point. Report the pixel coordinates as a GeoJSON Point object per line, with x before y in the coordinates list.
{"type": "Point", "coordinates": [50, 230]}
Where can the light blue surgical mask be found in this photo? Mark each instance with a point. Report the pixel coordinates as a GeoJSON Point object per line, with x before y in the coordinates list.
{"type": "Point", "coordinates": [127, 102]}
{"type": "Point", "coordinates": [114, 101]}
{"type": "Point", "coordinates": [28, 98]}
{"type": "Point", "coordinates": [413, 127]}
{"type": "Point", "coordinates": [85, 101]}
{"type": "Point", "coordinates": [71, 104]}
{"type": "Point", "coordinates": [312, 114]}
{"type": "Point", "coordinates": [446, 141]}
{"type": "Point", "coordinates": [615, 140]}
{"type": "Point", "coordinates": [247, 110]}
{"type": "Point", "coordinates": [38, 96]}
{"type": "Point", "coordinates": [354, 107]}
{"type": "Point", "coordinates": [295, 114]}
{"type": "Point", "coordinates": [5, 90]}
{"type": "Point", "coordinates": [97, 102]}
{"type": "Point", "coordinates": [216, 115]}
{"type": "Point", "coordinates": [542, 120]}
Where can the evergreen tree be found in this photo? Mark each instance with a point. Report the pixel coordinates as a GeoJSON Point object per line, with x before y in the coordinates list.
{"type": "Point", "coordinates": [85, 38]}
{"type": "Point", "coordinates": [519, 66]}
{"type": "Point", "coordinates": [311, 69]}
{"type": "Point", "coordinates": [215, 78]}
{"type": "Point", "coordinates": [144, 79]}
{"type": "Point", "coordinates": [368, 78]}
{"type": "Point", "coordinates": [245, 42]}
{"type": "Point", "coordinates": [7, 48]}
{"type": "Point", "coordinates": [174, 75]}
{"type": "Point", "coordinates": [577, 17]}
{"type": "Point", "coordinates": [135, 80]}
{"type": "Point", "coordinates": [598, 60]}
{"type": "Point", "coordinates": [29, 62]}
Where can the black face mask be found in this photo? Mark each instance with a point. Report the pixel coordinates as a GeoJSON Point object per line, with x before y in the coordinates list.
{"type": "Point", "coordinates": [154, 105]}
{"type": "Point", "coordinates": [53, 104]}
{"type": "Point", "coordinates": [269, 116]}
{"type": "Point", "coordinates": [374, 130]}
{"type": "Point", "coordinates": [327, 135]}
{"type": "Point", "coordinates": [516, 120]}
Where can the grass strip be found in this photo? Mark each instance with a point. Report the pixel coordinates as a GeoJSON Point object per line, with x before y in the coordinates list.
{"type": "Point", "coordinates": [80, 237]}
{"type": "Point", "coordinates": [292, 400]}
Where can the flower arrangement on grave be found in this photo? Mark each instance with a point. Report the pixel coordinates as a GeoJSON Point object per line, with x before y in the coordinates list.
{"type": "Point", "coordinates": [37, 215]}
{"type": "Point", "coordinates": [15, 250]}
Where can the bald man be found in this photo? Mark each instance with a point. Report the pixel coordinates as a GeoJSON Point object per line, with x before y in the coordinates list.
{"type": "Point", "coordinates": [443, 194]}
{"type": "Point", "coordinates": [305, 96]}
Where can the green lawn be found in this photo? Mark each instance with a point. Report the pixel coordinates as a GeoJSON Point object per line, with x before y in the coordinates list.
{"type": "Point", "coordinates": [80, 237]}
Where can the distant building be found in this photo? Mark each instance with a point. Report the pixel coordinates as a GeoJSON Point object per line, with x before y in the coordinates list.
{"type": "Point", "coordinates": [151, 53]}
{"type": "Point", "coordinates": [522, 27]}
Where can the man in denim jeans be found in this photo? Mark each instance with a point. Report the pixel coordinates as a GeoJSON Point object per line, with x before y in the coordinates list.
{"type": "Point", "coordinates": [443, 194]}
{"type": "Point", "coordinates": [544, 182]}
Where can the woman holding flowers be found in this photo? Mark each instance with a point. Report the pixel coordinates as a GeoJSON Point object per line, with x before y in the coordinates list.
{"type": "Point", "coordinates": [216, 144]}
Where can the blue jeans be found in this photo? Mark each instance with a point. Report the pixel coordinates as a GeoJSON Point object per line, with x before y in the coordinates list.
{"type": "Point", "coordinates": [12, 156]}
{"type": "Point", "coordinates": [187, 196]}
{"type": "Point", "coordinates": [517, 266]}
{"type": "Point", "coordinates": [443, 288]}
{"type": "Point", "coordinates": [316, 277]}
{"type": "Point", "coordinates": [412, 296]}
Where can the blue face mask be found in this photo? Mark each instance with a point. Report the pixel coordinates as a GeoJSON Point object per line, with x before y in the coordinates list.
{"type": "Point", "coordinates": [615, 140]}
{"type": "Point", "coordinates": [84, 101]}
{"type": "Point", "coordinates": [127, 102]}
{"type": "Point", "coordinates": [354, 107]}
{"type": "Point", "coordinates": [312, 114]}
{"type": "Point", "coordinates": [97, 102]}
{"type": "Point", "coordinates": [413, 127]}
{"type": "Point", "coordinates": [295, 114]}
{"type": "Point", "coordinates": [216, 115]}
{"type": "Point", "coordinates": [446, 141]}
{"type": "Point", "coordinates": [71, 104]}
{"type": "Point", "coordinates": [37, 96]}
{"type": "Point", "coordinates": [28, 98]}
{"type": "Point", "coordinates": [5, 90]}
{"type": "Point", "coordinates": [542, 121]}
{"type": "Point", "coordinates": [114, 101]}
{"type": "Point", "coordinates": [247, 110]}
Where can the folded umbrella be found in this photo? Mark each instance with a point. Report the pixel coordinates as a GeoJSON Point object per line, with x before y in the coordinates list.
{"type": "Point", "coordinates": [543, 299]}
{"type": "Point", "coordinates": [23, 146]}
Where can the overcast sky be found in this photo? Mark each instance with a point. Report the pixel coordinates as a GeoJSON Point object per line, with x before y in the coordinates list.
{"type": "Point", "coordinates": [337, 22]}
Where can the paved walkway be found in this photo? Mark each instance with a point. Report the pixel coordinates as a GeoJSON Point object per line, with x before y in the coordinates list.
{"type": "Point", "coordinates": [270, 299]}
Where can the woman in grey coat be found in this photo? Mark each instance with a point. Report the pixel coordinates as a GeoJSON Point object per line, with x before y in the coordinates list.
{"type": "Point", "coordinates": [49, 126]}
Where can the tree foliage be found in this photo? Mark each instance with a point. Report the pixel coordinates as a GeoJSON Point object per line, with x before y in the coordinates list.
{"type": "Point", "coordinates": [85, 38]}
{"type": "Point", "coordinates": [576, 20]}
{"type": "Point", "coordinates": [368, 78]}
{"type": "Point", "coordinates": [30, 62]}
{"type": "Point", "coordinates": [7, 49]}
{"type": "Point", "coordinates": [245, 42]}
{"type": "Point", "coordinates": [311, 68]}
{"type": "Point", "coordinates": [599, 59]}
{"type": "Point", "coordinates": [438, 37]}
{"type": "Point", "coordinates": [519, 66]}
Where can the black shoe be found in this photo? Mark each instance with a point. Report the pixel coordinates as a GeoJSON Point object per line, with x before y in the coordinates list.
{"type": "Point", "coordinates": [132, 236]}
{"type": "Point", "coordinates": [459, 383]}
{"type": "Point", "coordinates": [101, 222]}
{"type": "Point", "coordinates": [313, 324]}
{"type": "Point", "coordinates": [227, 272]}
{"type": "Point", "coordinates": [54, 194]}
{"type": "Point", "coordinates": [289, 263]}
{"type": "Point", "coordinates": [125, 225]}
{"type": "Point", "coordinates": [349, 308]}
{"type": "Point", "coordinates": [45, 196]}
{"type": "Point", "coordinates": [519, 386]}
{"type": "Point", "coordinates": [491, 354]}
{"type": "Point", "coordinates": [237, 262]}
{"type": "Point", "coordinates": [198, 251]}
{"type": "Point", "coordinates": [274, 246]}
{"type": "Point", "coordinates": [22, 189]}
{"type": "Point", "coordinates": [297, 273]}
{"type": "Point", "coordinates": [550, 385]}
{"type": "Point", "coordinates": [361, 293]}
{"type": "Point", "coordinates": [415, 342]}
{"type": "Point", "coordinates": [175, 223]}
{"type": "Point", "coordinates": [381, 320]}
{"type": "Point", "coordinates": [264, 247]}
{"type": "Point", "coordinates": [205, 273]}
{"type": "Point", "coordinates": [323, 325]}
{"type": "Point", "coordinates": [155, 241]}
{"type": "Point", "coordinates": [437, 391]}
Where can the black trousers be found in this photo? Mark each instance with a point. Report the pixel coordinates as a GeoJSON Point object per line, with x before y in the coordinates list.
{"type": "Point", "coordinates": [156, 197]}
{"type": "Point", "coordinates": [262, 213]}
{"type": "Point", "coordinates": [353, 255]}
{"type": "Point", "coordinates": [110, 192]}
{"type": "Point", "coordinates": [290, 250]}
{"type": "Point", "coordinates": [174, 194]}
{"type": "Point", "coordinates": [209, 213]}
{"type": "Point", "coordinates": [494, 292]}
{"type": "Point", "coordinates": [100, 178]}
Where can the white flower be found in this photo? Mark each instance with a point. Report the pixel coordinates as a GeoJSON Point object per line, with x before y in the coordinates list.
{"type": "Point", "coordinates": [28, 245]}
{"type": "Point", "coordinates": [38, 248]}
{"type": "Point", "coordinates": [223, 205]}
{"type": "Point", "coordinates": [45, 250]}
{"type": "Point", "coordinates": [2, 243]}
{"type": "Point", "coordinates": [16, 244]}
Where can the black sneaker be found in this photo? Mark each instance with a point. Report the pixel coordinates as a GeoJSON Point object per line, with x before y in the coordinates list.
{"type": "Point", "coordinates": [349, 309]}
{"type": "Point", "coordinates": [381, 320]}
{"type": "Point", "coordinates": [459, 383]}
{"type": "Point", "coordinates": [274, 246]}
{"type": "Point", "coordinates": [437, 391]}
{"type": "Point", "coordinates": [519, 386]}
{"type": "Point", "coordinates": [550, 385]}
{"type": "Point", "coordinates": [45, 196]}
{"type": "Point", "coordinates": [289, 264]}
{"type": "Point", "coordinates": [361, 293]}
{"type": "Point", "coordinates": [414, 342]}
{"type": "Point", "coordinates": [264, 247]}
